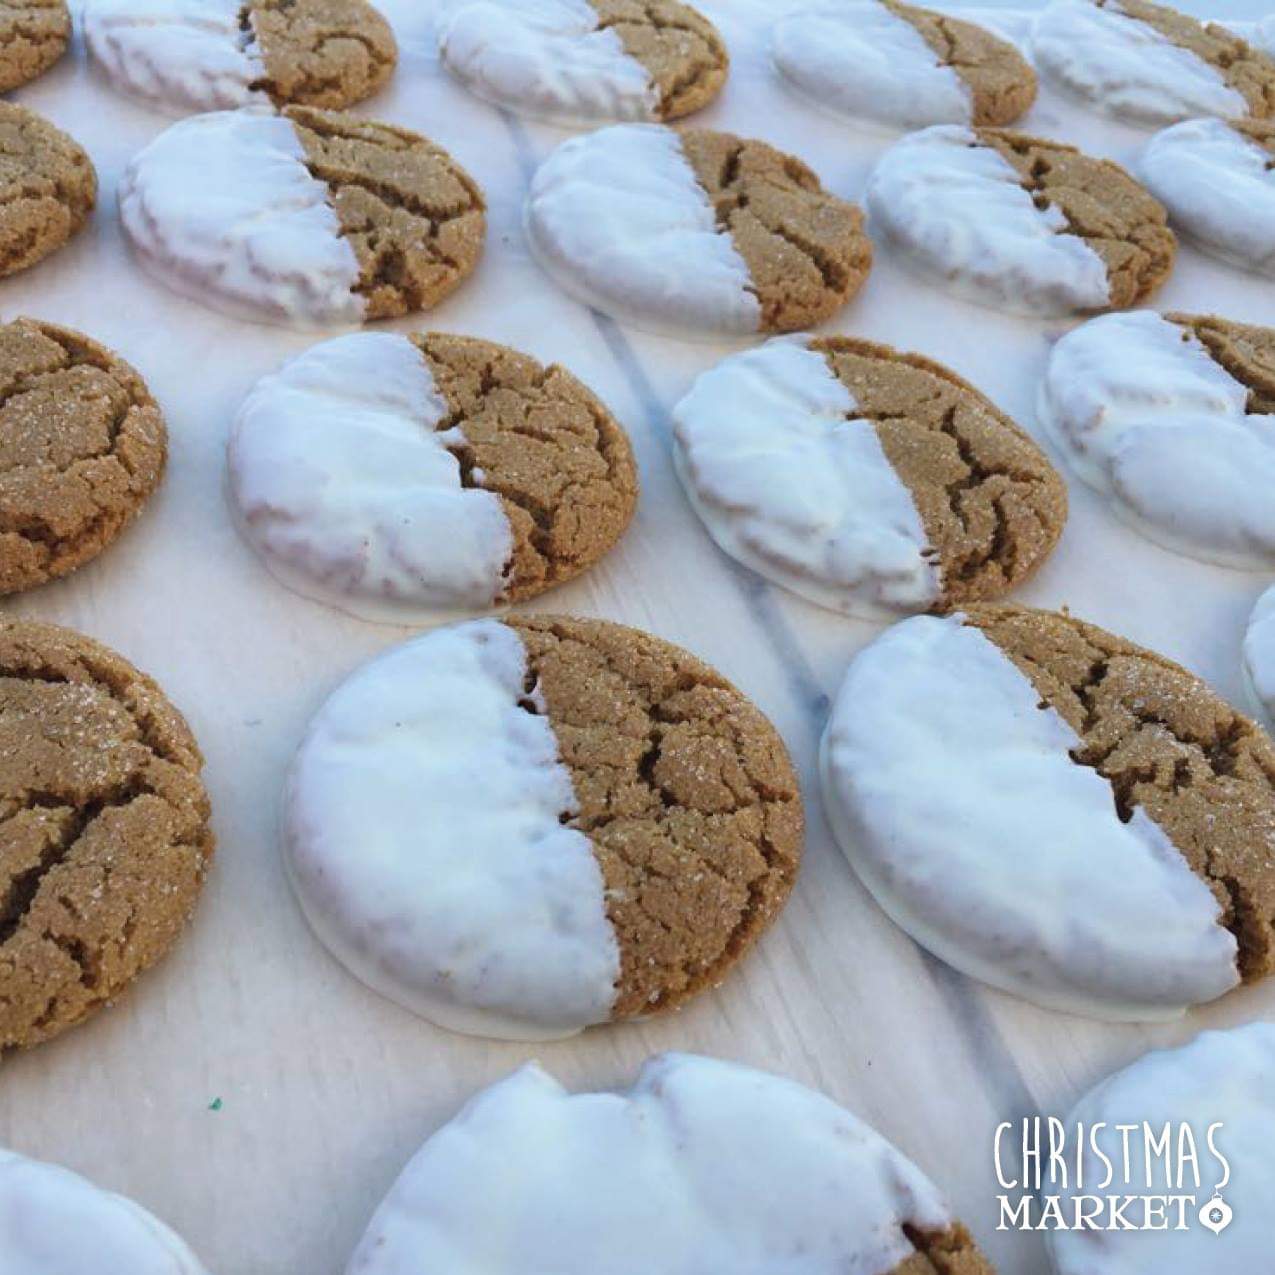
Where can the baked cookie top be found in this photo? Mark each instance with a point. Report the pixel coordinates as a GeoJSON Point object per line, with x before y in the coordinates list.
{"type": "Point", "coordinates": [901, 65]}
{"type": "Point", "coordinates": [310, 218]}
{"type": "Point", "coordinates": [571, 822]}
{"type": "Point", "coordinates": [188, 56]}
{"type": "Point", "coordinates": [1172, 419]}
{"type": "Point", "coordinates": [683, 1145]}
{"type": "Point", "coordinates": [694, 231]}
{"type": "Point", "coordinates": [82, 446]}
{"type": "Point", "coordinates": [1019, 222]}
{"type": "Point", "coordinates": [107, 838]}
{"type": "Point", "coordinates": [413, 478]}
{"type": "Point", "coordinates": [33, 36]}
{"type": "Point", "coordinates": [869, 481]}
{"type": "Point", "coordinates": [1057, 811]}
{"type": "Point", "coordinates": [585, 61]}
{"type": "Point", "coordinates": [1150, 63]}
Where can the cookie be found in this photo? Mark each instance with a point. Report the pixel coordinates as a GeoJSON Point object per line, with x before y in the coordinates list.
{"type": "Point", "coordinates": [53, 1220]}
{"type": "Point", "coordinates": [33, 36]}
{"type": "Point", "coordinates": [1151, 64]}
{"type": "Point", "coordinates": [1056, 811]}
{"type": "Point", "coordinates": [1172, 419]}
{"type": "Point", "coordinates": [869, 481]}
{"type": "Point", "coordinates": [1219, 1085]}
{"type": "Point", "coordinates": [186, 56]}
{"type": "Point", "coordinates": [901, 66]}
{"type": "Point", "coordinates": [309, 218]}
{"type": "Point", "coordinates": [1020, 223]}
{"type": "Point", "coordinates": [522, 828]}
{"type": "Point", "coordinates": [585, 61]}
{"type": "Point", "coordinates": [48, 187]}
{"type": "Point", "coordinates": [409, 479]}
{"type": "Point", "coordinates": [694, 232]}
{"type": "Point", "coordinates": [1217, 179]}
{"type": "Point", "coordinates": [82, 446]}
{"type": "Point", "coordinates": [1259, 659]}
{"type": "Point", "coordinates": [107, 837]}
{"type": "Point", "coordinates": [709, 1166]}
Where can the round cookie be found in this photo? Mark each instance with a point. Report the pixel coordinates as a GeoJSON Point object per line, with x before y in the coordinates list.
{"type": "Point", "coordinates": [585, 61]}
{"type": "Point", "coordinates": [1259, 658]}
{"type": "Point", "coordinates": [701, 1166]}
{"type": "Point", "coordinates": [1151, 64]}
{"type": "Point", "coordinates": [1020, 223]}
{"type": "Point", "coordinates": [107, 838]}
{"type": "Point", "coordinates": [521, 828]}
{"type": "Point", "coordinates": [868, 481]}
{"type": "Point", "coordinates": [409, 479]}
{"type": "Point", "coordinates": [1056, 811]}
{"type": "Point", "coordinates": [187, 56]}
{"type": "Point", "coordinates": [1172, 419]}
{"type": "Point", "coordinates": [48, 187]}
{"type": "Point", "coordinates": [1217, 179]}
{"type": "Point", "coordinates": [309, 218]}
{"type": "Point", "coordinates": [694, 232]}
{"type": "Point", "coordinates": [1220, 1085]}
{"type": "Point", "coordinates": [33, 36]}
{"type": "Point", "coordinates": [82, 446]}
{"type": "Point", "coordinates": [900, 65]}
{"type": "Point", "coordinates": [54, 1221]}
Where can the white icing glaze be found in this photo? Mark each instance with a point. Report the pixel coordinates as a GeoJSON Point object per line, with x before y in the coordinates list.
{"type": "Point", "coordinates": [957, 209]}
{"type": "Point", "coordinates": [1127, 67]}
{"type": "Point", "coordinates": [343, 484]}
{"type": "Point", "coordinates": [423, 837]}
{"type": "Point", "coordinates": [54, 1222]}
{"type": "Point", "coordinates": [954, 797]}
{"type": "Point", "coordinates": [619, 220]}
{"type": "Point", "coordinates": [1143, 414]}
{"type": "Point", "coordinates": [1219, 187]}
{"type": "Point", "coordinates": [546, 58]}
{"type": "Point", "coordinates": [181, 55]}
{"type": "Point", "coordinates": [1259, 658]}
{"type": "Point", "coordinates": [701, 1166]}
{"type": "Point", "coordinates": [222, 208]}
{"type": "Point", "coordinates": [1225, 1077]}
{"type": "Point", "coordinates": [859, 59]}
{"type": "Point", "coordinates": [790, 483]}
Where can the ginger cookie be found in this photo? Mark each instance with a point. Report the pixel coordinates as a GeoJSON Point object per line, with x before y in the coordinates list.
{"type": "Point", "coordinates": [309, 218]}
{"type": "Point", "coordinates": [572, 822]}
{"type": "Point", "coordinates": [868, 481]}
{"type": "Point", "coordinates": [1057, 811]}
{"type": "Point", "coordinates": [695, 232]}
{"type": "Point", "coordinates": [107, 838]}
{"type": "Point", "coordinates": [1217, 179]}
{"type": "Point", "coordinates": [1020, 223]}
{"type": "Point", "coordinates": [408, 479]}
{"type": "Point", "coordinates": [186, 56]}
{"type": "Point", "coordinates": [900, 65]}
{"type": "Point", "coordinates": [1218, 1086]}
{"type": "Point", "coordinates": [1151, 64]}
{"type": "Point", "coordinates": [1172, 419]}
{"type": "Point", "coordinates": [53, 1220]}
{"type": "Point", "coordinates": [709, 1166]}
{"type": "Point", "coordinates": [33, 36]}
{"type": "Point", "coordinates": [585, 61]}
{"type": "Point", "coordinates": [82, 446]}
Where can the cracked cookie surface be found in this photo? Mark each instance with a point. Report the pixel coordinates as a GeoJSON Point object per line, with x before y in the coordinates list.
{"type": "Point", "coordinates": [33, 36]}
{"type": "Point", "coordinates": [82, 446]}
{"type": "Point", "coordinates": [106, 835]}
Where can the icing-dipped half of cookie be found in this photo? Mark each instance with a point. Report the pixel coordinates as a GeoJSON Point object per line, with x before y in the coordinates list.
{"type": "Point", "coordinates": [695, 231]}
{"type": "Point", "coordinates": [408, 479]}
{"type": "Point", "coordinates": [308, 218]}
{"type": "Point", "coordinates": [575, 822]}
{"type": "Point", "coordinates": [710, 1166]}
{"type": "Point", "coordinates": [1020, 223]}
{"type": "Point", "coordinates": [872, 482]}
{"type": "Point", "coordinates": [901, 65]}
{"type": "Point", "coordinates": [1258, 661]}
{"type": "Point", "coordinates": [585, 61]}
{"type": "Point", "coordinates": [1056, 811]}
